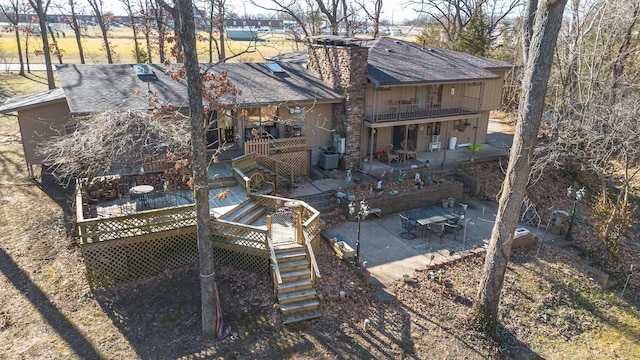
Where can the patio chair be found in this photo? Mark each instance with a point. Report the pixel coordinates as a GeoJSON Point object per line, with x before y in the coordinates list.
{"type": "Point", "coordinates": [436, 229]}
{"type": "Point", "coordinates": [409, 225]}
{"type": "Point", "coordinates": [390, 153]}
{"type": "Point", "coordinates": [409, 149]}
{"type": "Point", "coordinates": [454, 225]}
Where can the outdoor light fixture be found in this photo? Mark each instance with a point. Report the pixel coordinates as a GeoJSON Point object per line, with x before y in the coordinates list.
{"type": "Point", "coordinates": [361, 213]}
{"type": "Point", "coordinates": [576, 196]}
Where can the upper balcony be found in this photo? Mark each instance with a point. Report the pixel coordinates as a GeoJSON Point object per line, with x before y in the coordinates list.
{"type": "Point", "coordinates": [409, 109]}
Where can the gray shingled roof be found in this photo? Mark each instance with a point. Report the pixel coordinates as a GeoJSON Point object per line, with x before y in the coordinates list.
{"type": "Point", "coordinates": [394, 62]}
{"type": "Point", "coordinates": [32, 100]}
{"type": "Point", "coordinates": [93, 88]}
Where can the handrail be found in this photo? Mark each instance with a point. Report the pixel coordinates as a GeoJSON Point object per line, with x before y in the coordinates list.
{"type": "Point", "coordinates": [277, 162]}
{"type": "Point", "coordinates": [272, 252]}
{"type": "Point", "coordinates": [312, 256]}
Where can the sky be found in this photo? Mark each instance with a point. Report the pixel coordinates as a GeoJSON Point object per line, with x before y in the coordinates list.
{"type": "Point", "coordinates": [393, 10]}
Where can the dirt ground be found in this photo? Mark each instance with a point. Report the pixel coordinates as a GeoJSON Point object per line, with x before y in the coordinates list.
{"type": "Point", "coordinates": [549, 308]}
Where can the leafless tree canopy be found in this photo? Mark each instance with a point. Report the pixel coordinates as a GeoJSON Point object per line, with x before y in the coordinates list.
{"type": "Point", "coordinates": [112, 139]}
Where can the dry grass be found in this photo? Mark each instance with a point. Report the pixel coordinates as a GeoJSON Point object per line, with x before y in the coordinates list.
{"type": "Point", "coordinates": [550, 309]}
{"type": "Point", "coordinates": [121, 41]}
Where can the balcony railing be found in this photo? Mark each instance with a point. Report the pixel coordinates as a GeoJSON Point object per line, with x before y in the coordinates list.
{"type": "Point", "coordinates": [408, 110]}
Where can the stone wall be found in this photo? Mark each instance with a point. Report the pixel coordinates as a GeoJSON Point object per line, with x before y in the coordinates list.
{"type": "Point", "coordinates": [431, 195]}
{"type": "Point", "coordinates": [345, 67]}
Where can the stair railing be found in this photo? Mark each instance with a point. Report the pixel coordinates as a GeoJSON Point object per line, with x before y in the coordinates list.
{"type": "Point", "coordinates": [277, 166]}
{"type": "Point", "coordinates": [272, 254]}
{"type": "Point", "coordinates": [315, 271]}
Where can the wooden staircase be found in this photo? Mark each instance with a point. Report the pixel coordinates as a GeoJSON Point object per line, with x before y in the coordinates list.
{"type": "Point", "coordinates": [296, 294]}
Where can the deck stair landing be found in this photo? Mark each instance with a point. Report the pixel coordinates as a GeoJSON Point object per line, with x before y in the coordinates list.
{"type": "Point", "coordinates": [296, 294]}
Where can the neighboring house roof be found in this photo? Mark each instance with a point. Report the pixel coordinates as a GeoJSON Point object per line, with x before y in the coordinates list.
{"type": "Point", "coordinates": [93, 88]}
{"type": "Point", "coordinates": [398, 62]}
{"type": "Point", "coordinates": [29, 101]}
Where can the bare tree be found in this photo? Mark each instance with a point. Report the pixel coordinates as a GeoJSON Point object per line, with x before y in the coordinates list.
{"type": "Point", "coordinates": [454, 16]}
{"type": "Point", "coordinates": [307, 14]}
{"type": "Point", "coordinates": [216, 86]}
{"type": "Point", "coordinates": [41, 7]}
{"type": "Point", "coordinates": [96, 6]}
{"type": "Point", "coordinates": [12, 13]}
{"type": "Point", "coordinates": [373, 14]}
{"type": "Point", "coordinates": [594, 125]}
{"type": "Point", "coordinates": [537, 70]}
{"type": "Point", "coordinates": [75, 26]}
{"type": "Point", "coordinates": [134, 27]}
{"type": "Point", "coordinates": [175, 15]}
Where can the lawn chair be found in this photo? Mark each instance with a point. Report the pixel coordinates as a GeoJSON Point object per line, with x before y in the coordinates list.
{"type": "Point", "coordinates": [409, 149]}
{"type": "Point", "coordinates": [409, 225]}
{"type": "Point", "coordinates": [390, 153]}
{"type": "Point", "coordinates": [454, 225]}
{"type": "Point", "coordinates": [436, 229]}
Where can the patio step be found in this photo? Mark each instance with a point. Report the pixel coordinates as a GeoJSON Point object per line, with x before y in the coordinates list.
{"type": "Point", "coordinates": [297, 317]}
{"type": "Point", "coordinates": [295, 296]}
{"type": "Point", "coordinates": [298, 307]}
{"type": "Point", "coordinates": [323, 202]}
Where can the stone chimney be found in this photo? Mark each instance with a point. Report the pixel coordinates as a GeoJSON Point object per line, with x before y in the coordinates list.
{"type": "Point", "coordinates": [342, 63]}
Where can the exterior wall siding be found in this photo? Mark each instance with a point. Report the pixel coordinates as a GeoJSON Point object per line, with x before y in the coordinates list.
{"type": "Point", "coordinates": [37, 125]}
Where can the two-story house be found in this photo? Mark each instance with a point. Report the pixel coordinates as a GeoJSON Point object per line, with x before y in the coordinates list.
{"type": "Point", "coordinates": [366, 93]}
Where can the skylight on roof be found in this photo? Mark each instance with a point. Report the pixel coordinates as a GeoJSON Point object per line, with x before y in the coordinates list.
{"type": "Point", "coordinates": [275, 68]}
{"type": "Point", "coordinates": [143, 69]}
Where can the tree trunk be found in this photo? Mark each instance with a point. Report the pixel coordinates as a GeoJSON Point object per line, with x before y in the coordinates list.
{"type": "Point", "coordinates": [222, 53]}
{"type": "Point", "coordinates": [55, 43]}
{"type": "Point", "coordinates": [17, 30]}
{"type": "Point", "coordinates": [76, 30]}
{"type": "Point", "coordinates": [42, 18]}
{"type": "Point", "coordinates": [105, 38]}
{"type": "Point", "coordinates": [534, 86]}
{"type": "Point", "coordinates": [209, 290]}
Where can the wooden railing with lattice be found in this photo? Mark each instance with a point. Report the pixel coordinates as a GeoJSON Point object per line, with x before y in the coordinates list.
{"type": "Point", "coordinates": [280, 168]}
{"type": "Point", "coordinates": [136, 224]}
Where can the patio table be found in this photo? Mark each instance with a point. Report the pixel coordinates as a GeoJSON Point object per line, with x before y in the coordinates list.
{"type": "Point", "coordinates": [434, 215]}
{"type": "Point", "coordinates": [143, 191]}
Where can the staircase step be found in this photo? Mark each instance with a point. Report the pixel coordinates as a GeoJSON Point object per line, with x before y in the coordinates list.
{"type": "Point", "coordinates": [292, 276]}
{"type": "Point", "coordinates": [235, 210]}
{"type": "Point", "coordinates": [296, 296]}
{"type": "Point", "coordinates": [288, 266]}
{"type": "Point", "coordinates": [244, 213]}
{"type": "Point", "coordinates": [283, 257]}
{"type": "Point", "coordinates": [299, 306]}
{"type": "Point", "coordinates": [297, 317]}
{"type": "Point", "coordinates": [287, 287]}
{"type": "Point", "coordinates": [257, 215]}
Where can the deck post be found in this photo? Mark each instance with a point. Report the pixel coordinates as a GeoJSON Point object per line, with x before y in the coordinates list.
{"type": "Point", "coordinates": [269, 225]}
{"type": "Point", "coordinates": [299, 234]}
